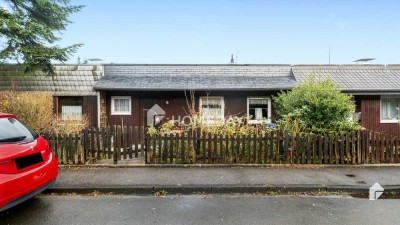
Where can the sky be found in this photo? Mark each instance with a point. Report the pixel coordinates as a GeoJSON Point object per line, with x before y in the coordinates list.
{"type": "Point", "coordinates": [259, 32]}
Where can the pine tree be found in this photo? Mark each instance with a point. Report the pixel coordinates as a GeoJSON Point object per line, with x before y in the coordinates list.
{"type": "Point", "coordinates": [28, 33]}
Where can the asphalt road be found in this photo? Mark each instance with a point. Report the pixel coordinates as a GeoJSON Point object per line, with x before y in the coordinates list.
{"type": "Point", "coordinates": [201, 209]}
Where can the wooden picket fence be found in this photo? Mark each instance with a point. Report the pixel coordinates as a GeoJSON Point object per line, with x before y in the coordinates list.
{"type": "Point", "coordinates": [275, 147]}
{"type": "Point", "coordinates": [95, 144]}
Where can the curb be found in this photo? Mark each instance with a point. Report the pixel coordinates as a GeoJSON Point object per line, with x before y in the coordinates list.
{"type": "Point", "coordinates": [219, 189]}
{"type": "Point", "coordinates": [305, 166]}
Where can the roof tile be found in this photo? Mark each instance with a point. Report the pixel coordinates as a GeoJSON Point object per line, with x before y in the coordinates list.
{"type": "Point", "coordinates": [68, 78]}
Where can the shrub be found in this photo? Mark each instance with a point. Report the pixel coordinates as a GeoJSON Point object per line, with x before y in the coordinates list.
{"type": "Point", "coordinates": [232, 126]}
{"type": "Point", "coordinates": [71, 124]}
{"type": "Point", "coordinates": [315, 105]}
{"type": "Point", "coordinates": [35, 109]}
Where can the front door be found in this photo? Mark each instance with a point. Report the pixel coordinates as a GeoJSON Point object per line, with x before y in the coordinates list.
{"type": "Point", "coordinates": [145, 105]}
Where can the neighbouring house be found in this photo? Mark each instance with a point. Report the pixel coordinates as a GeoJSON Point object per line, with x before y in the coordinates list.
{"type": "Point", "coordinates": [72, 87]}
{"type": "Point", "coordinates": [376, 91]}
{"type": "Point", "coordinates": [127, 92]}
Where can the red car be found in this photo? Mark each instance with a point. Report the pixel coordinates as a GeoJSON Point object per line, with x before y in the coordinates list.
{"type": "Point", "coordinates": [27, 165]}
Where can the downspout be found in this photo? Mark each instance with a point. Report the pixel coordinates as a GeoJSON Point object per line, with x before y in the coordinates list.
{"type": "Point", "coordinates": [98, 77]}
{"type": "Point", "coordinates": [98, 108]}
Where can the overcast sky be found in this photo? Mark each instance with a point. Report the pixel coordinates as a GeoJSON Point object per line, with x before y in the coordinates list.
{"type": "Point", "coordinates": [208, 31]}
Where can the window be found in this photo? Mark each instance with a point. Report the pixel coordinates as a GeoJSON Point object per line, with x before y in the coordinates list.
{"type": "Point", "coordinates": [71, 108]}
{"type": "Point", "coordinates": [258, 108]}
{"type": "Point", "coordinates": [120, 105]}
{"type": "Point", "coordinates": [212, 108]}
{"type": "Point", "coordinates": [11, 130]}
{"type": "Point", "coordinates": [71, 112]}
{"type": "Point", "coordinates": [390, 107]}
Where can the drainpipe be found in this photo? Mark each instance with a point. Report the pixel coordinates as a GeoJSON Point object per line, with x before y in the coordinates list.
{"type": "Point", "coordinates": [98, 108]}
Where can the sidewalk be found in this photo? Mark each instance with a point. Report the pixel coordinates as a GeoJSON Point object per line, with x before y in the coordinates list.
{"type": "Point", "coordinates": [146, 180]}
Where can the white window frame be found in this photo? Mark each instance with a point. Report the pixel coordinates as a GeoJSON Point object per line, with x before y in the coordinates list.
{"type": "Point", "coordinates": [222, 107]}
{"type": "Point", "coordinates": [269, 109]}
{"type": "Point", "coordinates": [380, 109]}
{"type": "Point", "coordinates": [117, 112]}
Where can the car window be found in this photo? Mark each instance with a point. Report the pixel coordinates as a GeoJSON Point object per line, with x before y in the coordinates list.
{"type": "Point", "coordinates": [11, 130]}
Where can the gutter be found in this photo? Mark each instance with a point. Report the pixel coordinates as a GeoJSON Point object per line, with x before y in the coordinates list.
{"type": "Point", "coordinates": [197, 89]}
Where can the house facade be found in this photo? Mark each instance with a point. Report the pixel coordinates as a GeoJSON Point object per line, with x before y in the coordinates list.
{"type": "Point", "coordinates": [215, 91]}
{"type": "Point", "coordinates": [71, 88]}
{"type": "Point", "coordinates": [122, 94]}
{"type": "Point", "coordinates": [128, 92]}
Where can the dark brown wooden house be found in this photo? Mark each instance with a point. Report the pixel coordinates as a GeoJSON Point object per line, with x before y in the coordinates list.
{"type": "Point", "coordinates": [72, 87]}
{"type": "Point", "coordinates": [128, 92]}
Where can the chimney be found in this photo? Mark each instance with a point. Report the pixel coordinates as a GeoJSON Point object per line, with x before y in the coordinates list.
{"type": "Point", "coordinates": [232, 59]}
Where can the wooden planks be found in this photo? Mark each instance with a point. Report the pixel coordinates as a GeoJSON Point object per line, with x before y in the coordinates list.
{"type": "Point", "coordinates": [121, 142]}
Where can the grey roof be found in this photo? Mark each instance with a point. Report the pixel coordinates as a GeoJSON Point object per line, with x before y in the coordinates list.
{"type": "Point", "coordinates": [79, 80]}
{"type": "Point", "coordinates": [71, 80]}
{"type": "Point", "coordinates": [354, 78]}
{"type": "Point", "coordinates": [198, 77]}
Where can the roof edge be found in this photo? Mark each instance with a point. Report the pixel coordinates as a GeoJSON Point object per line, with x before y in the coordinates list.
{"type": "Point", "coordinates": [197, 89]}
{"type": "Point", "coordinates": [183, 64]}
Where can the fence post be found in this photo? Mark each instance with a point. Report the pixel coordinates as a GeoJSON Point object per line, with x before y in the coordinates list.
{"type": "Point", "coordinates": [61, 139]}
{"type": "Point", "coordinates": [131, 140]}
{"type": "Point", "coordinates": [160, 149]}
{"type": "Point", "coordinates": [260, 148]}
{"type": "Point", "coordinates": [142, 135]}
{"type": "Point", "coordinates": [383, 146]}
{"type": "Point", "coordinates": [154, 152]}
{"type": "Point", "coordinates": [92, 142]}
{"type": "Point", "coordinates": [358, 136]}
{"type": "Point", "coordinates": [104, 141]}
{"type": "Point", "coordinates": [309, 139]}
{"type": "Point", "coordinates": [320, 154]}
{"type": "Point", "coordinates": [115, 148]}
{"type": "Point", "coordinates": [171, 148]}
{"type": "Point", "coordinates": [373, 146]}
{"type": "Point", "coordinates": [124, 142]}
{"type": "Point", "coordinates": [165, 149]}
{"type": "Point", "coordinates": [109, 137]}
{"type": "Point", "coordinates": [76, 148]}
{"type": "Point", "coordinates": [198, 139]}
{"type": "Point", "coordinates": [209, 147]}
{"type": "Point", "coordinates": [396, 156]}
{"type": "Point", "coordinates": [146, 139]}
{"type": "Point", "coordinates": [278, 147]}
{"type": "Point", "coordinates": [342, 146]}
{"type": "Point", "coordinates": [97, 130]}
{"type": "Point", "coordinates": [286, 147]}
{"type": "Point", "coordinates": [136, 139]}
{"type": "Point", "coordinates": [83, 143]}
{"type": "Point", "coordinates": [70, 149]}
{"type": "Point", "coordinates": [353, 147]}
{"type": "Point", "coordinates": [54, 145]}
{"type": "Point", "coordinates": [314, 149]}
{"type": "Point", "coordinates": [195, 146]}
{"type": "Point", "coordinates": [391, 146]}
